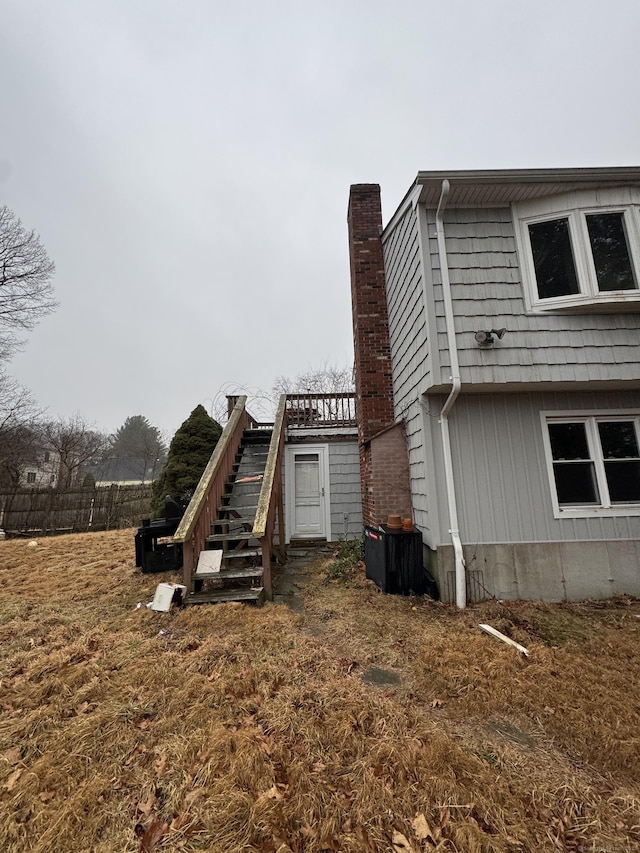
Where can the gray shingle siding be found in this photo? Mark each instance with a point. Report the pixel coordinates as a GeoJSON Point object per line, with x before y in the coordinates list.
{"type": "Point", "coordinates": [487, 292]}
{"type": "Point", "coordinates": [344, 487]}
{"type": "Point", "coordinates": [409, 349]}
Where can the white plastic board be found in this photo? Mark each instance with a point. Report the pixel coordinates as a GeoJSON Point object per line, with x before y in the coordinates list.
{"type": "Point", "coordinates": [209, 561]}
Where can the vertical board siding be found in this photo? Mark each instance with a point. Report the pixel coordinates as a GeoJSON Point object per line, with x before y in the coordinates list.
{"type": "Point", "coordinates": [344, 489]}
{"type": "Point", "coordinates": [501, 476]}
{"type": "Point", "coordinates": [487, 292]}
{"type": "Point", "coordinates": [409, 347]}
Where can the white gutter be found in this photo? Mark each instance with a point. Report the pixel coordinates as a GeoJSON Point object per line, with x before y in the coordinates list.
{"type": "Point", "coordinates": [461, 581]}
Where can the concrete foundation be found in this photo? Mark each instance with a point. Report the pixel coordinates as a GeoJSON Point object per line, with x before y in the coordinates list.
{"type": "Point", "coordinates": [550, 571]}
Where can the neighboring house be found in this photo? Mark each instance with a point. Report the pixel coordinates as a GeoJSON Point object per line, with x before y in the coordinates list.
{"type": "Point", "coordinates": [497, 351]}
{"type": "Point", "coordinates": [42, 471]}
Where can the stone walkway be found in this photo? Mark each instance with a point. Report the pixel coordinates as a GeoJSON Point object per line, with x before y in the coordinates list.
{"type": "Point", "coordinates": [288, 588]}
{"type": "Point", "coordinates": [289, 580]}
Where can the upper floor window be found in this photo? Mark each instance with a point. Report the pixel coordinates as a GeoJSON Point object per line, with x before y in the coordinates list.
{"type": "Point", "coordinates": [31, 476]}
{"type": "Point", "coordinates": [581, 250]}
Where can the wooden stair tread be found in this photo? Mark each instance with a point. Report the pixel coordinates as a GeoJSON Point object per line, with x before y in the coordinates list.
{"type": "Point", "coordinates": [221, 521]}
{"type": "Point", "coordinates": [234, 555]}
{"type": "Point", "coordinates": [235, 536]}
{"type": "Point", "coordinates": [236, 507]}
{"type": "Point", "coordinates": [230, 574]}
{"type": "Point", "coordinates": [222, 595]}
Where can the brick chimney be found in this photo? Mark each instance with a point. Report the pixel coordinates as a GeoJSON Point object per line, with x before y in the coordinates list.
{"type": "Point", "coordinates": [384, 467]}
{"type": "Point", "coordinates": [374, 390]}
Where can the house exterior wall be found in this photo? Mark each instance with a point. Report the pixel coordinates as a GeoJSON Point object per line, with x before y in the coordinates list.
{"type": "Point", "coordinates": [487, 292]}
{"type": "Point", "coordinates": [514, 546]}
{"type": "Point", "coordinates": [42, 472]}
{"type": "Point", "coordinates": [344, 485]}
{"type": "Point", "coordinates": [410, 342]}
{"type": "Point", "coordinates": [577, 358]}
{"type": "Point", "coordinates": [345, 505]}
{"type": "Point", "coordinates": [502, 482]}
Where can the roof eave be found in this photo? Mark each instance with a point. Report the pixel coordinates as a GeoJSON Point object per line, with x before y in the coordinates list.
{"type": "Point", "coordinates": [503, 186]}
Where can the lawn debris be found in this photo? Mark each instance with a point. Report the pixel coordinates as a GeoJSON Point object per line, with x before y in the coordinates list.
{"type": "Point", "coordinates": [500, 636]}
{"type": "Point", "coordinates": [166, 595]}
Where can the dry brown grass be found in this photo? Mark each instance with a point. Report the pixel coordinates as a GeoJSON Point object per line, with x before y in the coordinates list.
{"type": "Point", "coordinates": [253, 730]}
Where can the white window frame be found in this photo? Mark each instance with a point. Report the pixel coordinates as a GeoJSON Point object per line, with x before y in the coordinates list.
{"type": "Point", "coordinates": [591, 419]}
{"type": "Point", "coordinates": [576, 207]}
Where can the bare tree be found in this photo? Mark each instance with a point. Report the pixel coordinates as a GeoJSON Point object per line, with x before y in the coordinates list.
{"type": "Point", "coordinates": [320, 394]}
{"type": "Point", "coordinates": [18, 430]}
{"type": "Point", "coordinates": [76, 444]}
{"type": "Point", "coordinates": [262, 404]}
{"type": "Point", "coordinates": [326, 379]}
{"type": "Point", "coordinates": [26, 292]}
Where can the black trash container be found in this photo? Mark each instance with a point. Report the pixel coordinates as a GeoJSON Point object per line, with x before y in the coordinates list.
{"type": "Point", "coordinates": [393, 559]}
{"type": "Point", "coordinates": [153, 555]}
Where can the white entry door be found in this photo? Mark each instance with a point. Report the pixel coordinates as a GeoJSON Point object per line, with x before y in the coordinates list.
{"type": "Point", "coordinates": [306, 486]}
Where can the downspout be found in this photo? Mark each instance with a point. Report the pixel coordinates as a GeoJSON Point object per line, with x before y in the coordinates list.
{"type": "Point", "coordinates": [454, 532]}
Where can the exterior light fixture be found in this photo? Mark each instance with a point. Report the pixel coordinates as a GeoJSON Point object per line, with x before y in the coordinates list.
{"type": "Point", "coordinates": [486, 338]}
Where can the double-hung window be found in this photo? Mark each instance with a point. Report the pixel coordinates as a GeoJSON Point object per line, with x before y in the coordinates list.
{"type": "Point", "coordinates": [580, 250]}
{"type": "Point", "coordinates": [594, 463]}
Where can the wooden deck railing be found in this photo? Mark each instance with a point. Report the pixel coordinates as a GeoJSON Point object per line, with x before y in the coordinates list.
{"type": "Point", "coordinates": [195, 525]}
{"type": "Point", "coordinates": [321, 410]}
{"type": "Point", "coordinates": [270, 501]}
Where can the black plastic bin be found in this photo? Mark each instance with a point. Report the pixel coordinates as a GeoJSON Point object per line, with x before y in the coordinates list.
{"type": "Point", "coordinates": [393, 560]}
{"type": "Point", "coordinates": [155, 556]}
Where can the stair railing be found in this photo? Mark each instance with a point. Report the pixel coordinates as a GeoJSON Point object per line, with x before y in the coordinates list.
{"type": "Point", "coordinates": [270, 501]}
{"type": "Point", "coordinates": [313, 410]}
{"type": "Point", "coordinates": [195, 525]}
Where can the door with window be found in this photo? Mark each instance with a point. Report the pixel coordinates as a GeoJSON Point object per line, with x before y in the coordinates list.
{"type": "Point", "coordinates": [306, 487]}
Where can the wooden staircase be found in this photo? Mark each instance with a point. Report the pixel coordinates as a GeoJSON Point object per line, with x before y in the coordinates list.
{"type": "Point", "coordinates": [233, 527]}
{"type": "Point", "coordinates": [241, 572]}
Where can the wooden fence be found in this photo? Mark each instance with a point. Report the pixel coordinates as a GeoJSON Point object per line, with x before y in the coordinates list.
{"type": "Point", "coordinates": [30, 512]}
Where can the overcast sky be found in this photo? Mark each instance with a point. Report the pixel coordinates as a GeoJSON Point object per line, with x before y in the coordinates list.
{"type": "Point", "coordinates": [187, 166]}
